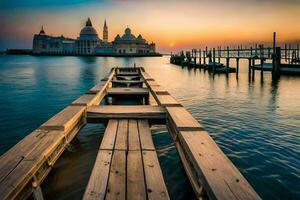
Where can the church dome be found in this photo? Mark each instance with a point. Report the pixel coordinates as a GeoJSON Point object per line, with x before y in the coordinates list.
{"type": "Point", "coordinates": [88, 30]}
{"type": "Point", "coordinates": [127, 31]}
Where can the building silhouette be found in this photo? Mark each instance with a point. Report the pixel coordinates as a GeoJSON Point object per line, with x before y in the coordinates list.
{"type": "Point", "coordinates": [89, 43]}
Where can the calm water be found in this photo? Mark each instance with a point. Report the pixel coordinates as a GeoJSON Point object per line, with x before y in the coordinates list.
{"type": "Point", "coordinates": [256, 123]}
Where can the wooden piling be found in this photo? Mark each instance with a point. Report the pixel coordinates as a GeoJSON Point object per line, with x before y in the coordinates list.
{"type": "Point", "coordinates": [200, 58]}
{"type": "Point", "coordinates": [214, 60]}
{"type": "Point", "coordinates": [276, 72]}
{"type": "Point", "coordinates": [249, 68]}
{"type": "Point", "coordinates": [253, 68]}
{"type": "Point", "coordinates": [262, 60]}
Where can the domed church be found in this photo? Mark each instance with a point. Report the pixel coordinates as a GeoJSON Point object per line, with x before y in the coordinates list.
{"type": "Point", "coordinates": [129, 44]}
{"type": "Point", "coordinates": [88, 39]}
{"type": "Point", "coordinates": [89, 43]}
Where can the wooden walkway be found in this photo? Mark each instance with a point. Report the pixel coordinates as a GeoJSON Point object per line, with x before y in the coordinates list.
{"type": "Point", "coordinates": [127, 166]}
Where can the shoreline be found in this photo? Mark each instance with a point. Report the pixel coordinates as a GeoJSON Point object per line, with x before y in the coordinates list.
{"type": "Point", "coordinates": [30, 53]}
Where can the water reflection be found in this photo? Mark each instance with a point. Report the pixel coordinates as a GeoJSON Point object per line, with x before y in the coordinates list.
{"type": "Point", "coordinates": [255, 123]}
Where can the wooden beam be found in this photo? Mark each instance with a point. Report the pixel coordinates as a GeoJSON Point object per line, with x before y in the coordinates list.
{"type": "Point", "coordinates": [119, 92]}
{"type": "Point", "coordinates": [220, 178]}
{"type": "Point", "coordinates": [65, 119]}
{"type": "Point", "coordinates": [117, 177]}
{"type": "Point", "coordinates": [182, 119]}
{"type": "Point", "coordinates": [135, 176]}
{"type": "Point", "coordinates": [156, 187]}
{"type": "Point", "coordinates": [97, 185]}
{"type": "Point", "coordinates": [98, 113]}
{"type": "Point", "coordinates": [167, 100]}
{"type": "Point", "coordinates": [109, 137]}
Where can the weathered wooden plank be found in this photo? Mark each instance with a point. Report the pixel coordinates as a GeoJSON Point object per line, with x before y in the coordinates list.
{"type": "Point", "coordinates": [133, 136]}
{"type": "Point", "coordinates": [128, 74]}
{"type": "Point", "coordinates": [109, 138]}
{"type": "Point", "coordinates": [145, 135]}
{"type": "Point", "coordinates": [16, 154]}
{"type": "Point", "coordinates": [116, 188]}
{"type": "Point", "coordinates": [128, 78]}
{"type": "Point", "coordinates": [87, 100]}
{"type": "Point", "coordinates": [156, 187]}
{"type": "Point", "coordinates": [167, 100]}
{"type": "Point", "coordinates": [121, 139]}
{"type": "Point", "coordinates": [182, 119]}
{"type": "Point", "coordinates": [33, 164]}
{"type": "Point", "coordinates": [97, 185]}
{"type": "Point", "coordinates": [129, 112]}
{"type": "Point", "coordinates": [221, 179]}
{"type": "Point", "coordinates": [65, 119]}
{"type": "Point", "coordinates": [99, 87]}
{"type": "Point", "coordinates": [128, 91]}
{"type": "Point", "coordinates": [159, 90]}
{"type": "Point", "coordinates": [135, 176]}
{"type": "Point", "coordinates": [117, 83]}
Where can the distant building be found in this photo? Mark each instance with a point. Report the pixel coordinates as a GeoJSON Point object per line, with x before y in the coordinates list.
{"type": "Point", "coordinates": [45, 44]}
{"type": "Point", "coordinates": [129, 44]}
{"type": "Point", "coordinates": [88, 43]}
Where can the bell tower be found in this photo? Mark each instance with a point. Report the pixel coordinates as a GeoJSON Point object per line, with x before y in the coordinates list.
{"type": "Point", "coordinates": [105, 32]}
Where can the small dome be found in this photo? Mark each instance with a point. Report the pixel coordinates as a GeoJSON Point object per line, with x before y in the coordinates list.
{"type": "Point", "coordinates": [88, 30]}
{"type": "Point", "coordinates": [127, 31]}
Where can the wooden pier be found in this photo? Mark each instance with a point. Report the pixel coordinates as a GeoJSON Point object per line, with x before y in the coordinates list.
{"type": "Point", "coordinates": [127, 166]}
{"type": "Point", "coordinates": [283, 60]}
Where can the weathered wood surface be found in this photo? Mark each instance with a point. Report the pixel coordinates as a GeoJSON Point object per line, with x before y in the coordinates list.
{"type": "Point", "coordinates": [220, 177]}
{"type": "Point", "coordinates": [22, 173]}
{"type": "Point", "coordinates": [167, 100]}
{"type": "Point", "coordinates": [65, 119]}
{"type": "Point", "coordinates": [88, 100]}
{"type": "Point", "coordinates": [96, 188]}
{"type": "Point", "coordinates": [182, 119]}
{"type": "Point", "coordinates": [127, 74]}
{"type": "Point", "coordinates": [145, 135]}
{"type": "Point", "coordinates": [99, 87]}
{"type": "Point", "coordinates": [135, 176]}
{"type": "Point", "coordinates": [127, 91]}
{"type": "Point", "coordinates": [128, 78]}
{"type": "Point", "coordinates": [116, 83]}
{"type": "Point", "coordinates": [127, 173]}
{"type": "Point", "coordinates": [109, 137]}
{"type": "Point", "coordinates": [122, 135]}
{"type": "Point", "coordinates": [159, 90]}
{"type": "Point", "coordinates": [156, 188]}
{"type": "Point", "coordinates": [129, 112]}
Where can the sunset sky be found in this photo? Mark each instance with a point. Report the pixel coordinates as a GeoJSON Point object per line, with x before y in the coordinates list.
{"type": "Point", "coordinates": [172, 25]}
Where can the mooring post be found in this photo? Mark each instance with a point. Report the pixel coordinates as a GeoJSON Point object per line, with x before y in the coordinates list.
{"type": "Point", "coordinates": [285, 52]}
{"type": "Point", "coordinates": [227, 61]}
{"type": "Point", "coordinates": [204, 57]}
{"type": "Point", "coordinates": [255, 49]}
{"type": "Point", "coordinates": [276, 72]}
{"type": "Point", "coordinates": [253, 68]}
{"type": "Point", "coordinates": [262, 60]}
{"type": "Point", "coordinates": [249, 68]}
{"type": "Point", "coordinates": [237, 63]}
{"type": "Point", "coordinates": [219, 54]}
{"type": "Point", "coordinates": [298, 52]}
{"type": "Point", "coordinates": [214, 60]}
{"type": "Point", "coordinates": [199, 58]}
{"type": "Point", "coordinates": [290, 47]}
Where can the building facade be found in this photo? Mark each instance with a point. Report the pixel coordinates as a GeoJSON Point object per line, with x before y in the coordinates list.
{"type": "Point", "coordinates": [89, 43]}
